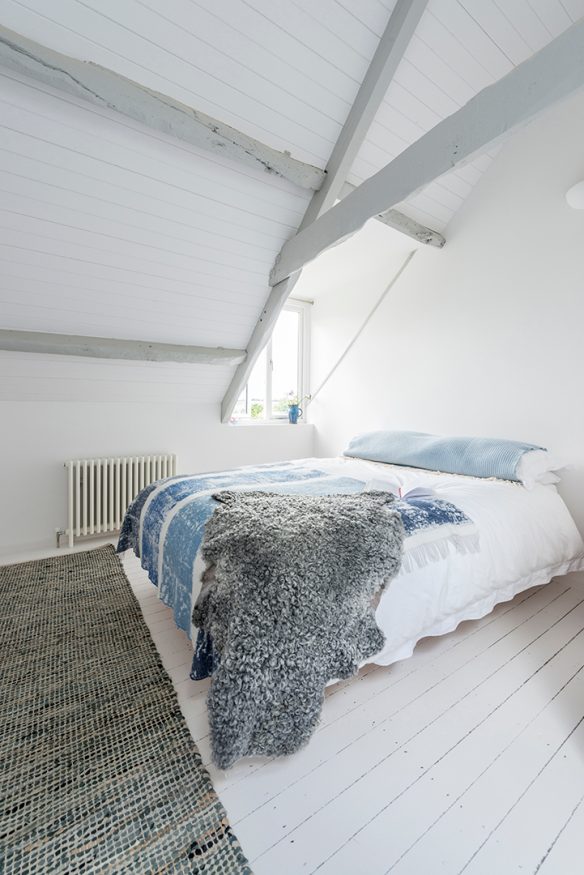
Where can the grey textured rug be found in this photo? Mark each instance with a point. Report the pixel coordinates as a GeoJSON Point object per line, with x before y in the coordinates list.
{"type": "Point", "coordinates": [98, 771]}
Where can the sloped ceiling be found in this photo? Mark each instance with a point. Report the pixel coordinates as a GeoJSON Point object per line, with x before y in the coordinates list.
{"type": "Point", "coordinates": [109, 229]}
{"type": "Point", "coordinates": [458, 49]}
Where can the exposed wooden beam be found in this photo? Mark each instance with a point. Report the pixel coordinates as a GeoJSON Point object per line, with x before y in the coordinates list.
{"type": "Point", "coordinates": [400, 222]}
{"type": "Point", "coordinates": [108, 348]}
{"type": "Point", "coordinates": [552, 74]}
{"type": "Point", "coordinates": [392, 45]}
{"type": "Point", "coordinates": [265, 325]}
{"type": "Point", "coordinates": [105, 88]}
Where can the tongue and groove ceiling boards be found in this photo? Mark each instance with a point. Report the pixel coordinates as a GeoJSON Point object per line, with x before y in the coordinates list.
{"type": "Point", "coordinates": [458, 49]}
{"type": "Point", "coordinates": [111, 228]}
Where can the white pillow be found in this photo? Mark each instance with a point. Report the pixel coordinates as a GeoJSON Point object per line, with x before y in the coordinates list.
{"type": "Point", "coordinates": [537, 466]}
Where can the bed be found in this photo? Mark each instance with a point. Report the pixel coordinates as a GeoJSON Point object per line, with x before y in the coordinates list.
{"type": "Point", "coordinates": [525, 538]}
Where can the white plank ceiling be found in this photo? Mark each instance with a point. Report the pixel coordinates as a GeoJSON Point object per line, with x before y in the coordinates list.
{"type": "Point", "coordinates": [109, 229]}
{"type": "Point", "coordinates": [460, 47]}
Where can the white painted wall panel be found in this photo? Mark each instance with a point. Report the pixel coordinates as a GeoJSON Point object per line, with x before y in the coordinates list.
{"type": "Point", "coordinates": [130, 324]}
{"type": "Point", "coordinates": [284, 74]}
{"type": "Point", "coordinates": [283, 42]}
{"type": "Point", "coordinates": [138, 255]}
{"type": "Point", "coordinates": [439, 35]}
{"type": "Point", "coordinates": [495, 22]}
{"type": "Point", "coordinates": [372, 14]}
{"type": "Point", "coordinates": [574, 8]}
{"type": "Point", "coordinates": [527, 21]}
{"type": "Point", "coordinates": [32, 377]}
{"type": "Point", "coordinates": [111, 230]}
{"type": "Point", "coordinates": [107, 228]}
{"type": "Point", "coordinates": [66, 126]}
{"type": "Point", "coordinates": [88, 430]}
{"type": "Point", "coordinates": [482, 337]}
{"type": "Point", "coordinates": [343, 23]}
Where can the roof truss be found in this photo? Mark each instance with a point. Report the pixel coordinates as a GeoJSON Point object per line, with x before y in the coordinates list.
{"type": "Point", "coordinates": [555, 72]}
{"type": "Point", "coordinates": [103, 87]}
{"type": "Point", "coordinates": [109, 348]}
{"type": "Point", "coordinates": [403, 223]}
{"type": "Point", "coordinates": [392, 45]}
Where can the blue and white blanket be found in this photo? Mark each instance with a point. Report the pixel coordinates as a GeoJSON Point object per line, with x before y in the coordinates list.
{"type": "Point", "coordinates": [165, 523]}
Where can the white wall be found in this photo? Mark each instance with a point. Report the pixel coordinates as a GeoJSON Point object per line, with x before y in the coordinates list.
{"type": "Point", "coordinates": [344, 283]}
{"type": "Point", "coordinates": [485, 336]}
{"type": "Point", "coordinates": [36, 438]}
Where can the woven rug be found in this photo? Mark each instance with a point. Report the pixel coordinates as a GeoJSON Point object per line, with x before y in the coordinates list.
{"type": "Point", "coordinates": [98, 770]}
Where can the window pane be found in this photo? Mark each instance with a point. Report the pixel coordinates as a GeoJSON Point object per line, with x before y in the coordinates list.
{"type": "Point", "coordinates": [252, 401]}
{"type": "Point", "coordinates": [285, 362]}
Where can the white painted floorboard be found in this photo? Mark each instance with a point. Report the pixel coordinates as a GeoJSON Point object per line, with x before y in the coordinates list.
{"type": "Point", "coordinates": [467, 757]}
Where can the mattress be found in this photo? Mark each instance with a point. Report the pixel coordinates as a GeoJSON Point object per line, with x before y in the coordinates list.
{"type": "Point", "coordinates": [526, 537]}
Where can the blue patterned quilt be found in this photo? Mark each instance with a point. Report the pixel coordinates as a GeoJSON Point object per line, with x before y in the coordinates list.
{"type": "Point", "coordinates": [164, 525]}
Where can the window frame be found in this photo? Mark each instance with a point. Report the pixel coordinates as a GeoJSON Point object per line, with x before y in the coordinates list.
{"type": "Point", "coordinates": [302, 308]}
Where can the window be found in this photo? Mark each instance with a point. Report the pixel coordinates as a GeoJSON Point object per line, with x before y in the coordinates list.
{"type": "Point", "coordinates": [280, 373]}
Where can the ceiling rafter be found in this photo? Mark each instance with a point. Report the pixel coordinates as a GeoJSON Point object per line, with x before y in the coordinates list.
{"type": "Point", "coordinates": [111, 348]}
{"type": "Point", "coordinates": [400, 222]}
{"type": "Point", "coordinates": [553, 73]}
{"type": "Point", "coordinates": [98, 85]}
{"type": "Point", "coordinates": [401, 26]}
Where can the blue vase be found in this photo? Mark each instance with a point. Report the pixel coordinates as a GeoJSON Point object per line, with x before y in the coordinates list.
{"type": "Point", "coordinates": [294, 411]}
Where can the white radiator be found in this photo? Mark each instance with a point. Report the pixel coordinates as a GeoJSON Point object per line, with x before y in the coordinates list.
{"type": "Point", "coordinates": [100, 490]}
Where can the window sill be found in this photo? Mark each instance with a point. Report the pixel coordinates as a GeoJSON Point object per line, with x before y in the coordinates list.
{"type": "Point", "coordinates": [266, 423]}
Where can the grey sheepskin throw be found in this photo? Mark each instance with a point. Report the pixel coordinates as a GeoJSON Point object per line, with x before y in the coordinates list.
{"type": "Point", "coordinates": [287, 598]}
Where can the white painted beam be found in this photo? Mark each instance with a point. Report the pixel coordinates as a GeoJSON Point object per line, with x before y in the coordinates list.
{"type": "Point", "coordinates": [105, 88]}
{"type": "Point", "coordinates": [392, 45]}
{"type": "Point", "coordinates": [265, 325]}
{"type": "Point", "coordinates": [401, 222]}
{"type": "Point", "coordinates": [552, 74]}
{"type": "Point", "coordinates": [108, 348]}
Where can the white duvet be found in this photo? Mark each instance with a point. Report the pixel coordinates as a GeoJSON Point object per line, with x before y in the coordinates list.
{"type": "Point", "coordinates": [526, 538]}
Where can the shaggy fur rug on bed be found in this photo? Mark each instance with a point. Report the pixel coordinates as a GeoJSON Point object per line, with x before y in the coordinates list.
{"type": "Point", "coordinates": [98, 771]}
{"type": "Point", "coordinates": [287, 601]}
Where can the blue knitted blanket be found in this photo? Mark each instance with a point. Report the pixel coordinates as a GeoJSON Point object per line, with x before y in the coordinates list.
{"type": "Point", "coordinates": [165, 524]}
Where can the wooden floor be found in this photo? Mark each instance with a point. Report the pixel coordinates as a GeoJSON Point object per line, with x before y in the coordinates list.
{"type": "Point", "coordinates": [467, 757]}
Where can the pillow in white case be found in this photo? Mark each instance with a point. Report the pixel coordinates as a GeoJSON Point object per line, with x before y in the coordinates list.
{"type": "Point", "coordinates": [538, 466]}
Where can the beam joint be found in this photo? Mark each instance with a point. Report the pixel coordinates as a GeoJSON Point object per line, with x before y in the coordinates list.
{"type": "Point", "coordinates": [552, 74]}
{"type": "Point", "coordinates": [392, 45]}
{"type": "Point", "coordinates": [400, 222]}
